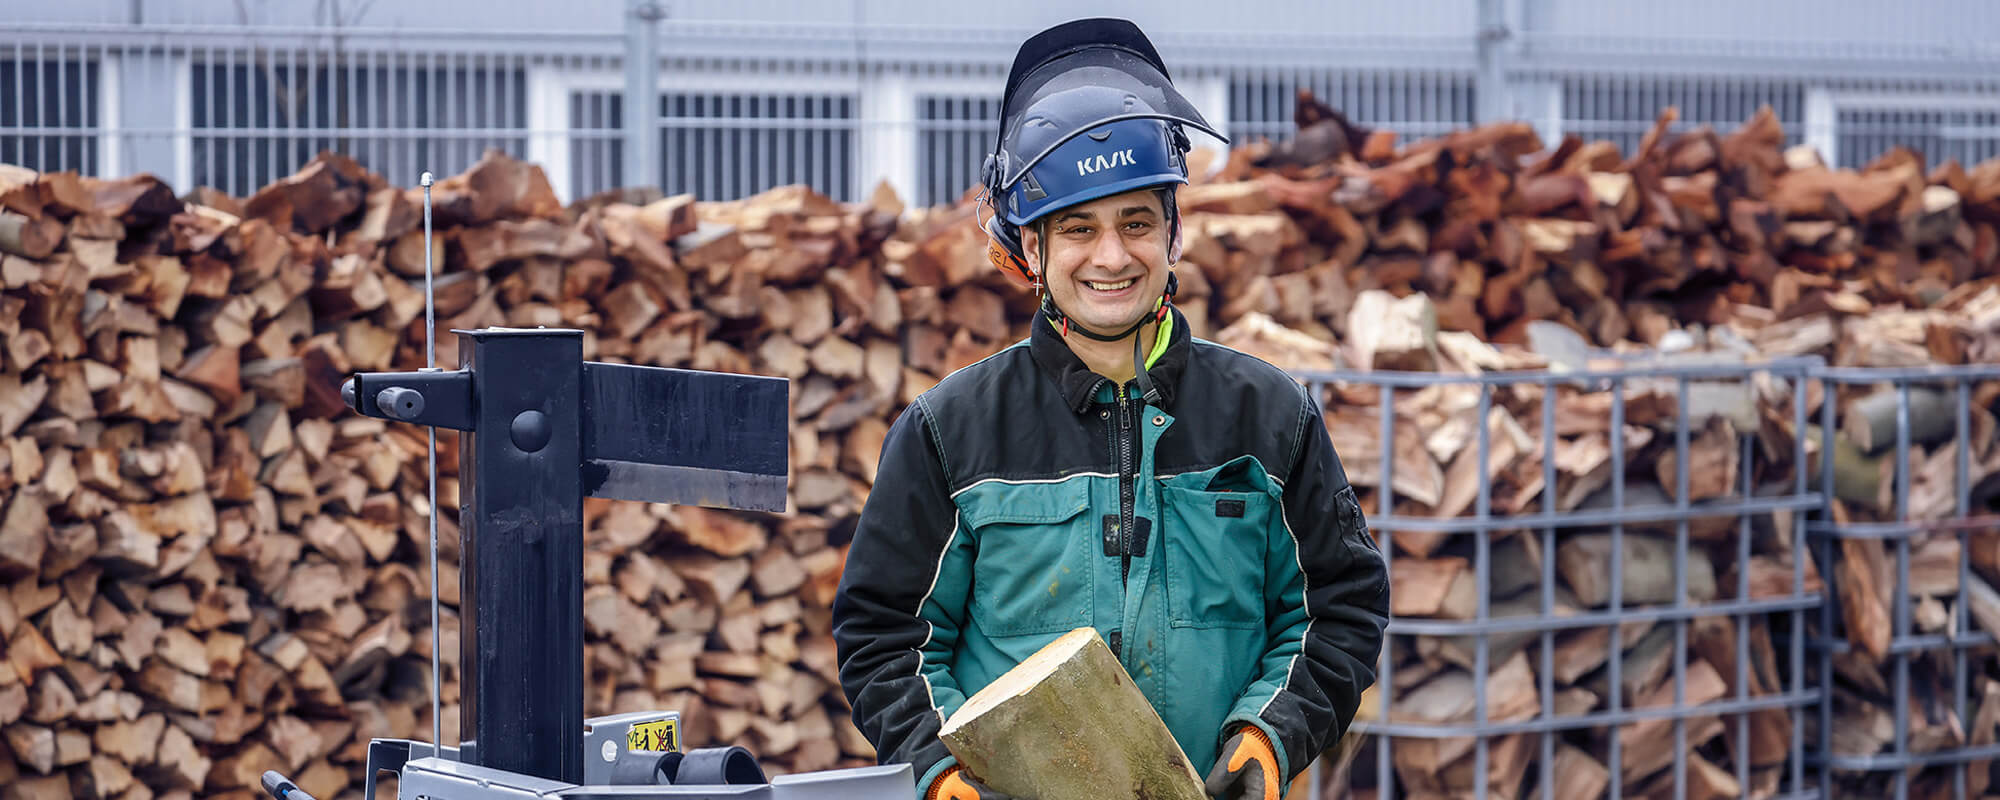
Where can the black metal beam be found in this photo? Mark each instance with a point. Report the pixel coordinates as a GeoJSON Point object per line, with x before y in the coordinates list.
{"type": "Point", "coordinates": [521, 557]}
{"type": "Point", "coordinates": [662, 435]}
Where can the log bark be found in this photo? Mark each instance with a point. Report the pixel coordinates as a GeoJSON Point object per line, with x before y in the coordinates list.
{"type": "Point", "coordinates": [1069, 723]}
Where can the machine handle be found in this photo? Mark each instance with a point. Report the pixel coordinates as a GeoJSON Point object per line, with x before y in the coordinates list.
{"type": "Point", "coordinates": [281, 788]}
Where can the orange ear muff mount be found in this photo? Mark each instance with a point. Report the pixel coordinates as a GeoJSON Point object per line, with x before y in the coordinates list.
{"type": "Point", "coordinates": [1003, 247]}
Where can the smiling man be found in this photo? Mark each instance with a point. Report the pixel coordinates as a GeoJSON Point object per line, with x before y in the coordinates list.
{"type": "Point", "coordinates": [1110, 470]}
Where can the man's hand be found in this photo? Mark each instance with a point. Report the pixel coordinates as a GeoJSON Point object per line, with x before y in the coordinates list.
{"type": "Point", "coordinates": [1247, 768]}
{"type": "Point", "coordinates": [957, 784]}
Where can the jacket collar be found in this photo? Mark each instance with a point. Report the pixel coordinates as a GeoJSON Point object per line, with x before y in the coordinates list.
{"type": "Point", "coordinates": [1078, 383]}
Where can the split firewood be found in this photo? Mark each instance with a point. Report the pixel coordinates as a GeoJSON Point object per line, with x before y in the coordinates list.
{"type": "Point", "coordinates": [1067, 722]}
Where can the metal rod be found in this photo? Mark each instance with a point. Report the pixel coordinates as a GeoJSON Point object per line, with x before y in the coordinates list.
{"type": "Point", "coordinates": [1547, 761]}
{"type": "Point", "coordinates": [1900, 609]}
{"type": "Point", "coordinates": [1616, 645]}
{"type": "Point", "coordinates": [1482, 566]}
{"type": "Point", "coordinates": [1681, 489]}
{"type": "Point", "coordinates": [1748, 458]}
{"type": "Point", "coordinates": [1385, 501]}
{"type": "Point", "coordinates": [1961, 435]}
{"type": "Point", "coordinates": [430, 363]}
{"type": "Point", "coordinates": [1831, 579]}
{"type": "Point", "coordinates": [1801, 550]}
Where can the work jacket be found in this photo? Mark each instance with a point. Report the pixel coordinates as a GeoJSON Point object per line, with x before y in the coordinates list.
{"type": "Point", "coordinates": [1210, 536]}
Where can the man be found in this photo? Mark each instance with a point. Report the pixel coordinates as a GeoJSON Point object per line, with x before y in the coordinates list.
{"type": "Point", "coordinates": [1110, 470]}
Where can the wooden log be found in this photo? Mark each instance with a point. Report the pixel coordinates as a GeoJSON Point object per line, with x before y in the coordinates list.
{"type": "Point", "coordinates": [1069, 723]}
{"type": "Point", "coordinates": [1703, 685]}
{"type": "Point", "coordinates": [22, 537]}
{"type": "Point", "coordinates": [1584, 561]}
{"type": "Point", "coordinates": [1712, 462]}
{"type": "Point", "coordinates": [30, 238]}
{"type": "Point", "coordinates": [1870, 422]}
{"type": "Point", "coordinates": [1393, 334]}
{"type": "Point", "coordinates": [1862, 596]}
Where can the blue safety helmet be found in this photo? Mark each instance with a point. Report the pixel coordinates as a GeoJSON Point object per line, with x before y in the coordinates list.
{"type": "Point", "coordinates": [1088, 112]}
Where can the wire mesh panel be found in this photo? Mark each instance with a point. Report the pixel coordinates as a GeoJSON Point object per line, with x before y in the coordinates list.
{"type": "Point", "coordinates": [50, 109]}
{"type": "Point", "coordinates": [1520, 661]}
{"type": "Point", "coordinates": [1911, 548]}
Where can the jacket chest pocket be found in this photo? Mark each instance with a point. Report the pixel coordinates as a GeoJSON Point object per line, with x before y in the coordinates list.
{"type": "Point", "coordinates": [1031, 573]}
{"type": "Point", "coordinates": [1215, 544]}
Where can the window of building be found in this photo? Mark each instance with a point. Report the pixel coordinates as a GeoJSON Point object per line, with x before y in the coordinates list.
{"type": "Point", "coordinates": [258, 121]}
{"type": "Point", "coordinates": [722, 145]}
{"type": "Point", "coordinates": [597, 147]}
{"type": "Point", "coordinates": [954, 134]}
{"type": "Point", "coordinates": [1970, 134]}
{"type": "Point", "coordinates": [1621, 108]}
{"type": "Point", "coordinates": [49, 114]}
{"type": "Point", "coordinates": [1413, 104]}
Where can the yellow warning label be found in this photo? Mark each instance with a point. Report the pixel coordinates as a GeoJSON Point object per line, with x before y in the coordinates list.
{"type": "Point", "coordinates": [657, 736]}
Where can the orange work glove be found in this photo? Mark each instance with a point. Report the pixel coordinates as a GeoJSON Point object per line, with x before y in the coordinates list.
{"type": "Point", "coordinates": [957, 784]}
{"type": "Point", "coordinates": [1247, 768]}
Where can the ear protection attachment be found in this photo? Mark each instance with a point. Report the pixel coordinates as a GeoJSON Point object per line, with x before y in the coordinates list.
{"type": "Point", "coordinates": [1003, 241]}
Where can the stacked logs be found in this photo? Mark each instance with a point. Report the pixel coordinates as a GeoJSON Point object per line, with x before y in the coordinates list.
{"type": "Point", "coordinates": [213, 569]}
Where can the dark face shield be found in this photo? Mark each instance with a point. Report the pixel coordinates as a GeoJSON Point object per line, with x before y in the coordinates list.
{"type": "Point", "coordinates": [1072, 90]}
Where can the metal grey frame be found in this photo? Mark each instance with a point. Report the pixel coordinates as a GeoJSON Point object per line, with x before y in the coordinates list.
{"type": "Point", "coordinates": [1799, 500]}
{"type": "Point", "coordinates": [1903, 643]}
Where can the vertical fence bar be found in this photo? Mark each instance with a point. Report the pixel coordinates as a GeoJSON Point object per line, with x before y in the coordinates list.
{"type": "Point", "coordinates": [1616, 642]}
{"type": "Point", "coordinates": [1900, 626]}
{"type": "Point", "coordinates": [1681, 506]}
{"type": "Point", "coordinates": [1830, 577]}
{"type": "Point", "coordinates": [60, 120]}
{"type": "Point", "coordinates": [1546, 763]}
{"type": "Point", "coordinates": [1385, 494]}
{"type": "Point", "coordinates": [1482, 565]}
{"type": "Point", "coordinates": [42, 101]}
{"type": "Point", "coordinates": [1800, 553]}
{"type": "Point", "coordinates": [1962, 506]}
{"type": "Point", "coordinates": [1747, 457]}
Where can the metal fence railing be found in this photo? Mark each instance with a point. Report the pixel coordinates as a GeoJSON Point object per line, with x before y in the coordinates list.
{"type": "Point", "coordinates": [236, 108]}
{"type": "Point", "coordinates": [744, 107]}
{"type": "Point", "coordinates": [1929, 677]}
{"type": "Point", "coordinates": [1537, 669]}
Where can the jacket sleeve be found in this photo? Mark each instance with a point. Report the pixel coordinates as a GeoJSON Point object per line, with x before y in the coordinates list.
{"type": "Point", "coordinates": [897, 616]}
{"type": "Point", "coordinates": [1330, 606]}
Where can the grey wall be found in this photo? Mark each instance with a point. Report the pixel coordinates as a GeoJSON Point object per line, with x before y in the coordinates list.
{"type": "Point", "coordinates": [1818, 20]}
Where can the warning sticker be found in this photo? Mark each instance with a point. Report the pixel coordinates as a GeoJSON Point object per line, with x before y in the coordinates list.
{"type": "Point", "coordinates": [658, 736]}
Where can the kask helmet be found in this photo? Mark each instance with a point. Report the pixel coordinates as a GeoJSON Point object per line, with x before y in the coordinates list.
{"type": "Point", "coordinates": [1088, 112]}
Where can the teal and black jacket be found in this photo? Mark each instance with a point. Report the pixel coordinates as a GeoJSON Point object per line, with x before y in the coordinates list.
{"type": "Point", "coordinates": [1212, 538]}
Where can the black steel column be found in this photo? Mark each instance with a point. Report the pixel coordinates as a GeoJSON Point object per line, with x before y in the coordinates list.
{"type": "Point", "coordinates": [521, 553]}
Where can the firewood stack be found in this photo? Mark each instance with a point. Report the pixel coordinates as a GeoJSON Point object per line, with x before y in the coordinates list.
{"type": "Point", "coordinates": [212, 568]}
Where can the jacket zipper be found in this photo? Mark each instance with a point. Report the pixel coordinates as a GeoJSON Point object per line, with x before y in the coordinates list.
{"type": "Point", "coordinates": [1125, 488]}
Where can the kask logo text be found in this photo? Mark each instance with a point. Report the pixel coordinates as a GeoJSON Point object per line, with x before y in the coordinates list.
{"type": "Point", "coordinates": [1122, 158]}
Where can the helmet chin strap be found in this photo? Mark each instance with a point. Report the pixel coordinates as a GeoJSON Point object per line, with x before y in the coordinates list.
{"type": "Point", "coordinates": [1055, 315]}
{"type": "Point", "coordinates": [1062, 322]}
